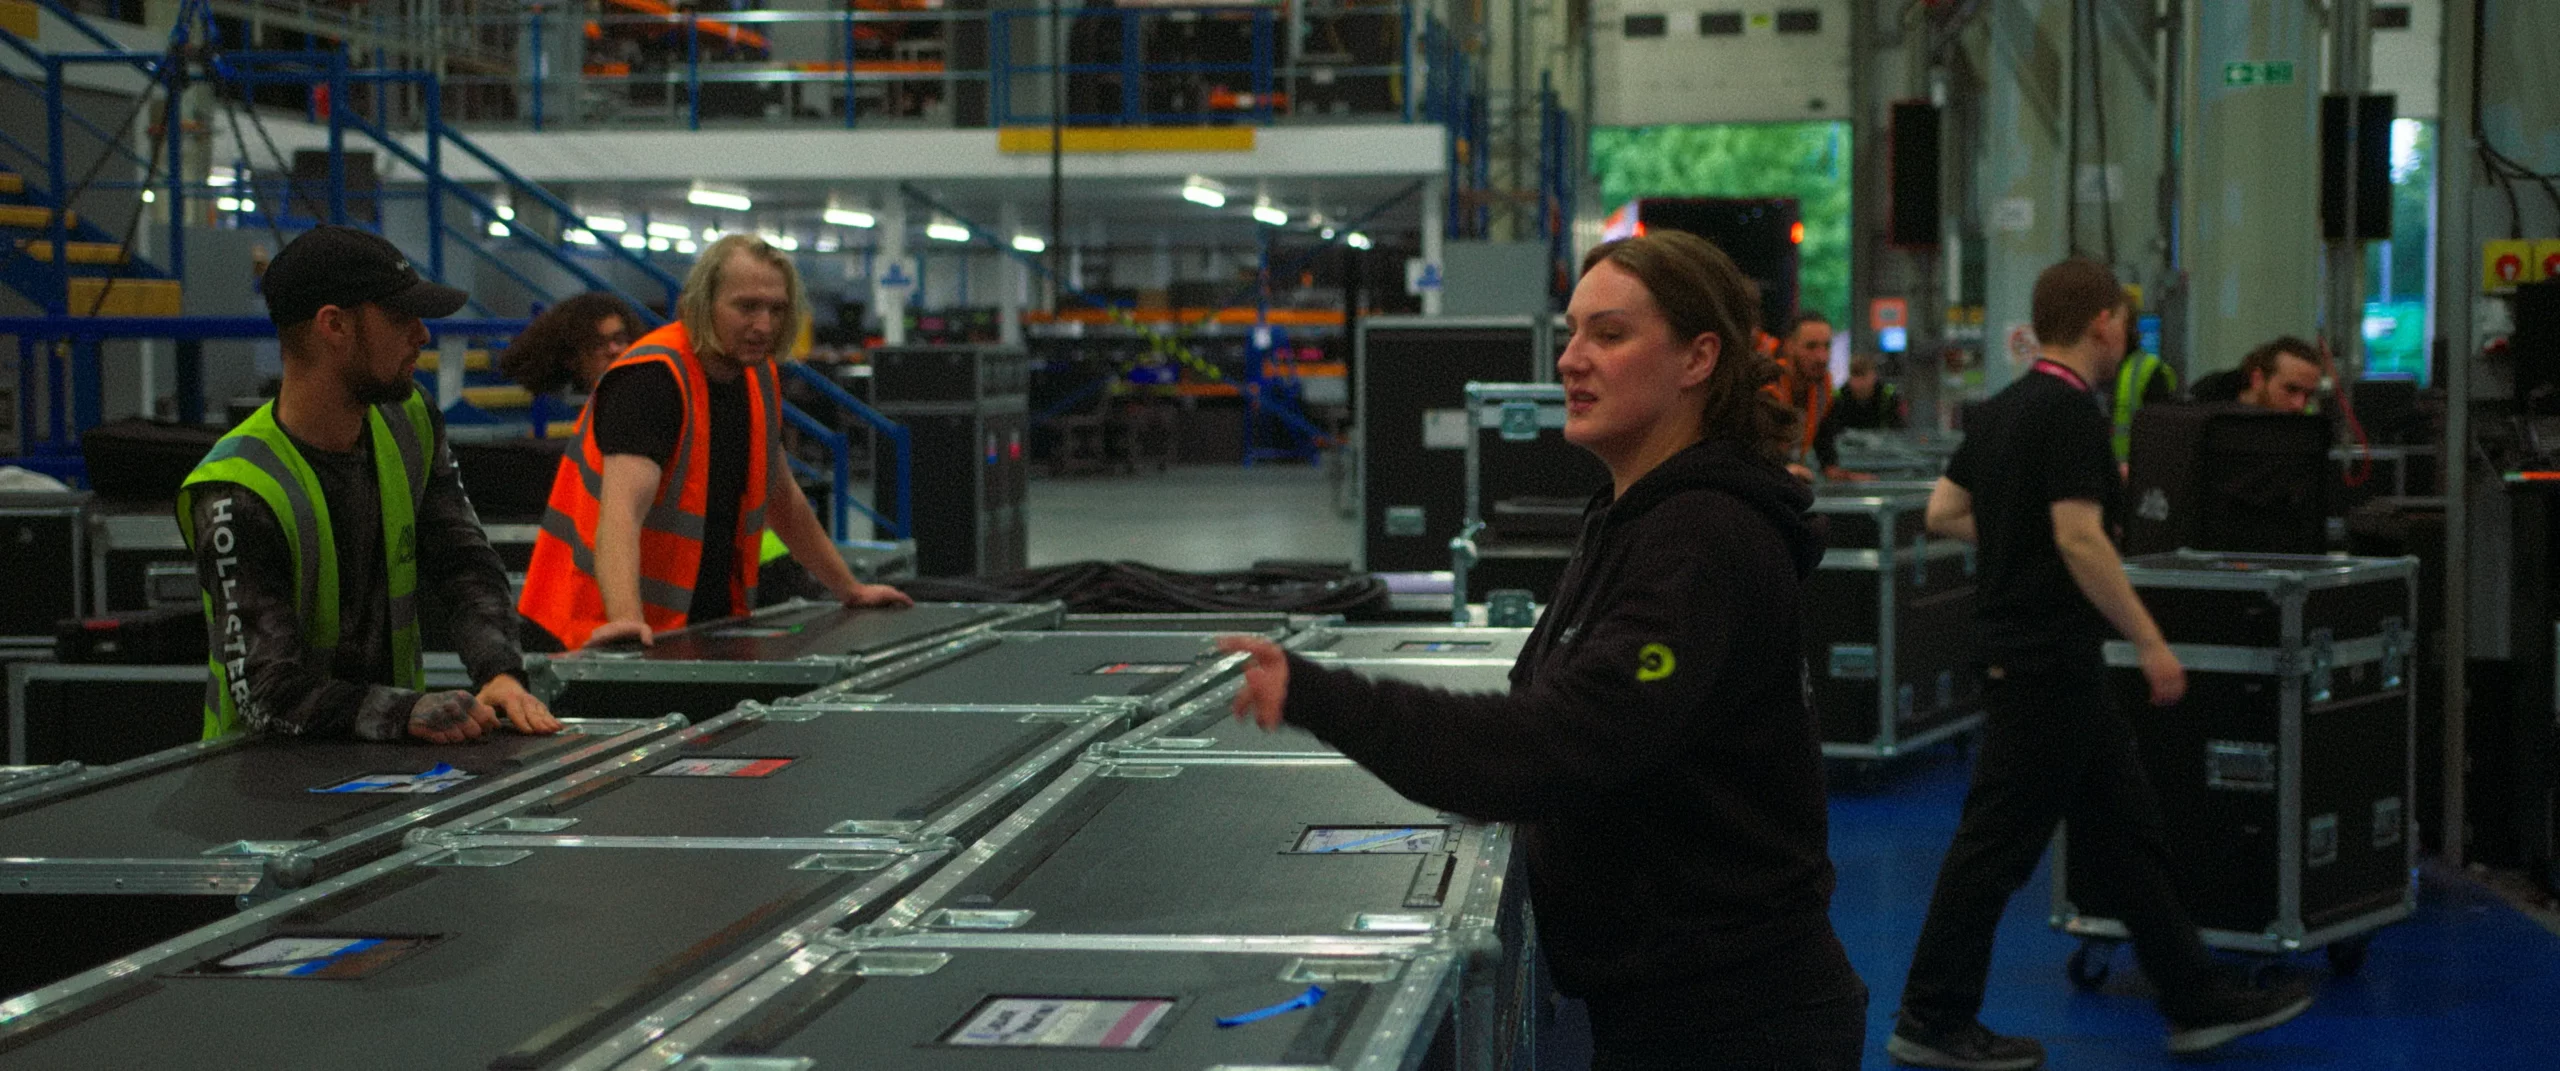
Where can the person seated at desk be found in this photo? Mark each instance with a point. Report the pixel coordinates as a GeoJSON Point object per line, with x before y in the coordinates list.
{"type": "Point", "coordinates": [1864, 402]}
{"type": "Point", "coordinates": [314, 523]}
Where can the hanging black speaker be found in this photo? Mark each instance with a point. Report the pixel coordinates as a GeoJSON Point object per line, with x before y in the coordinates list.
{"type": "Point", "coordinates": [2370, 170]}
{"type": "Point", "coordinates": [1911, 172]}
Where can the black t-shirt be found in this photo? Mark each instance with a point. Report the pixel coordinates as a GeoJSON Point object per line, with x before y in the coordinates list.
{"type": "Point", "coordinates": [2041, 441]}
{"type": "Point", "coordinates": [640, 411]}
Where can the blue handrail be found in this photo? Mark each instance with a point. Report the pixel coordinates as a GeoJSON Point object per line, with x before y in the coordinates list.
{"type": "Point", "coordinates": [900, 524]}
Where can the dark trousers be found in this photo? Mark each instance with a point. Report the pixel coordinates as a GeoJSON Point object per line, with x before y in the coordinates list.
{"type": "Point", "coordinates": [1802, 1008]}
{"type": "Point", "coordinates": [2053, 748]}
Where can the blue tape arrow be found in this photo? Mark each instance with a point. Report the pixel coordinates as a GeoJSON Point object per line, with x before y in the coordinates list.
{"type": "Point", "coordinates": [1307, 999]}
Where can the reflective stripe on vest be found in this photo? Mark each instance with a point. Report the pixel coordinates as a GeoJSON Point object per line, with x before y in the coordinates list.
{"type": "Point", "coordinates": [2133, 380]}
{"type": "Point", "coordinates": [261, 458]}
{"type": "Point", "coordinates": [561, 592]}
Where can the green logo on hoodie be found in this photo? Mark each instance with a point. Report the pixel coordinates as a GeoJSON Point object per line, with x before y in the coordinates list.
{"type": "Point", "coordinates": [1655, 662]}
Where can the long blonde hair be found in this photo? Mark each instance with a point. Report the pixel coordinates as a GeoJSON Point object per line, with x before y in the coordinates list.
{"type": "Point", "coordinates": [702, 290]}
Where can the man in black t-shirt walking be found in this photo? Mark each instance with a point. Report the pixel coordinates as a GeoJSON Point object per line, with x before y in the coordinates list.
{"type": "Point", "coordinates": [2035, 486]}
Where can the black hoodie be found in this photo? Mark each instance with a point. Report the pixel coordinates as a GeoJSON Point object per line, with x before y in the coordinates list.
{"type": "Point", "coordinates": [1657, 750]}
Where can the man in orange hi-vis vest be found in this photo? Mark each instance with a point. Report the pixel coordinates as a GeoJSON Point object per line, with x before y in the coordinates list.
{"type": "Point", "coordinates": [658, 513]}
{"type": "Point", "coordinates": [1804, 382]}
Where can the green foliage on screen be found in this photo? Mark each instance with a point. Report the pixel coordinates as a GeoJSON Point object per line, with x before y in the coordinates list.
{"type": "Point", "coordinates": [1806, 161]}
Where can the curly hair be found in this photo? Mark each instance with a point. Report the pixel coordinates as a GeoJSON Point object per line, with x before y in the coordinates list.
{"type": "Point", "coordinates": [1700, 292]}
{"type": "Point", "coordinates": [545, 357]}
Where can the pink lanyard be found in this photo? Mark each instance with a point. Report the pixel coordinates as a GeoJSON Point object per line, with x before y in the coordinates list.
{"type": "Point", "coordinates": [2062, 372]}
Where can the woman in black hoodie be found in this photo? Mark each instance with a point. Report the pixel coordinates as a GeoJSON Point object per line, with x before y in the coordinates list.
{"type": "Point", "coordinates": [1657, 750]}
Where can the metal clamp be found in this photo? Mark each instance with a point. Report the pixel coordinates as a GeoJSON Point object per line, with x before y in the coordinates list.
{"type": "Point", "coordinates": [2318, 665]}
{"type": "Point", "coordinates": [2395, 652]}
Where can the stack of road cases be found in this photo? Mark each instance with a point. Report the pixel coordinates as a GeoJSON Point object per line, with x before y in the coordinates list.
{"type": "Point", "coordinates": [779, 651]}
{"type": "Point", "coordinates": [1889, 628]}
{"type": "Point", "coordinates": [808, 770]}
{"type": "Point", "coordinates": [500, 952]}
{"type": "Point", "coordinates": [1526, 488]}
{"type": "Point", "coordinates": [1157, 670]}
{"type": "Point", "coordinates": [2285, 775]}
{"type": "Point", "coordinates": [96, 862]}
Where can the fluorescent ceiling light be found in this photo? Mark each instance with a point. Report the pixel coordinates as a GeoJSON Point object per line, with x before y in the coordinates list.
{"type": "Point", "coordinates": [828, 243]}
{"type": "Point", "coordinates": [577, 237]}
{"type": "Point", "coordinates": [497, 229]}
{"type": "Point", "coordinates": [847, 217]}
{"type": "Point", "coordinates": [1201, 191]}
{"type": "Point", "coordinates": [1272, 214]}
{"type": "Point", "coordinates": [1326, 234]}
{"type": "Point", "coordinates": [1358, 240]}
{"type": "Point", "coordinates": [783, 242]}
{"type": "Point", "coordinates": [607, 224]}
{"type": "Point", "coordinates": [506, 212]}
{"type": "Point", "coordinates": [659, 245]}
{"type": "Point", "coordinates": [735, 202]}
{"type": "Point", "coordinates": [227, 204]}
{"type": "Point", "coordinates": [1030, 243]}
{"type": "Point", "coordinates": [220, 177]}
{"type": "Point", "coordinates": [634, 241]}
{"type": "Point", "coordinates": [148, 197]}
{"type": "Point", "coordinates": [670, 231]}
{"type": "Point", "coordinates": [247, 205]}
{"type": "Point", "coordinates": [687, 248]}
{"type": "Point", "coordinates": [946, 230]}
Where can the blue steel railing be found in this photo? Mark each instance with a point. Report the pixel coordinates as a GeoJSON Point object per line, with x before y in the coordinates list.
{"type": "Point", "coordinates": [899, 523]}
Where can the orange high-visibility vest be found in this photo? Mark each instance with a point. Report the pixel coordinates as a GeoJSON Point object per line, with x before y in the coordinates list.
{"type": "Point", "coordinates": [1813, 400]}
{"type": "Point", "coordinates": [560, 591]}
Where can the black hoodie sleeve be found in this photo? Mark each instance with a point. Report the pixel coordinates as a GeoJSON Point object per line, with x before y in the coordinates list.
{"type": "Point", "coordinates": [1638, 688]}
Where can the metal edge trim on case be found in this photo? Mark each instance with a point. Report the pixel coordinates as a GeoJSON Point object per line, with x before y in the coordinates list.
{"type": "Point", "coordinates": [2293, 693]}
{"type": "Point", "coordinates": [2314, 572]}
{"type": "Point", "coordinates": [2262, 661]}
{"type": "Point", "coordinates": [779, 949]}
{"type": "Point", "coordinates": [904, 914]}
{"type": "Point", "coordinates": [518, 803]}
{"type": "Point", "coordinates": [19, 777]}
{"type": "Point", "coordinates": [1061, 750]}
{"type": "Point", "coordinates": [662, 1039]}
{"type": "Point", "coordinates": [134, 768]}
{"type": "Point", "coordinates": [71, 990]}
{"type": "Point", "coordinates": [883, 845]}
{"type": "Point", "coordinates": [1274, 944]}
{"type": "Point", "coordinates": [993, 617]}
{"type": "Point", "coordinates": [868, 678]}
{"type": "Point", "coordinates": [530, 774]}
{"type": "Point", "coordinates": [1182, 716]}
{"type": "Point", "coordinates": [1430, 985]}
{"type": "Point", "coordinates": [226, 876]}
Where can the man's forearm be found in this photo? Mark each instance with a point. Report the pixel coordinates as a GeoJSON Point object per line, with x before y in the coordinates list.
{"type": "Point", "coordinates": [2099, 573]}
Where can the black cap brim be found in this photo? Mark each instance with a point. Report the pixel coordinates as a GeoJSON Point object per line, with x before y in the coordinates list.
{"type": "Point", "coordinates": [426, 300]}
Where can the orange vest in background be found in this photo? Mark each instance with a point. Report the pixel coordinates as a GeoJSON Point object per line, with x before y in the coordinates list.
{"type": "Point", "coordinates": [1811, 400]}
{"type": "Point", "coordinates": [560, 591]}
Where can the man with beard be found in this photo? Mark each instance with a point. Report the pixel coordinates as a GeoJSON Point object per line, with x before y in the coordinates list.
{"type": "Point", "coordinates": [315, 521]}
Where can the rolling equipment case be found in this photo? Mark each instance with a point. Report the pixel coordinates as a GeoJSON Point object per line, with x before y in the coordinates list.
{"type": "Point", "coordinates": [1156, 669]}
{"type": "Point", "coordinates": [2285, 776]}
{"type": "Point", "coordinates": [1889, 629]}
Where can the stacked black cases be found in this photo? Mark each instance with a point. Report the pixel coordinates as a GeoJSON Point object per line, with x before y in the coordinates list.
{"type": "Point", "coordinates": [124, 545]}
{"type": "Point", "coordinates": [1529, 489]}
{"type": "Point", "coordinates": [498, 952]}
{"type": "Point", "coordinates": [1889, 629]}
{"type": "Point", "coordinates": [777, 652]}
{"type": "Point", "coordinates": [1153, 670]}
{"type": "Point", "coordinates": [1410, 381]}
{"type": "Point", "coordinates": [44, 553]}
{"type": "Point", "coordinates": [966, 411]}
{"type": "Point", "coordinates": [97, 864]}
{"type": "Point", "coordinates": [2285, 775]}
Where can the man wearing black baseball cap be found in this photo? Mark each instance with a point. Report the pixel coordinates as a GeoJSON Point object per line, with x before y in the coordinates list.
{"type": "Point", "coordinates": [314, 522]}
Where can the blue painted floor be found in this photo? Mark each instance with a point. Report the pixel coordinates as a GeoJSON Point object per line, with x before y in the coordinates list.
{"type": "Point", "coordinates": [2469, 983]}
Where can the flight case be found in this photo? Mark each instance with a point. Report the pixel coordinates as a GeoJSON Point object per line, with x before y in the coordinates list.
{"type": "Point", "coordinates": [1023, 668]}
{"type": "Point", "coordinates": [1889, 628]}
{"type": "Point", "coordinates": [2285, 776]}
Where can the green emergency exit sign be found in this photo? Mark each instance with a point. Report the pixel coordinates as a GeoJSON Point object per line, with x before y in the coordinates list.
{"type": "Point", "coordinates": [2262, 73]}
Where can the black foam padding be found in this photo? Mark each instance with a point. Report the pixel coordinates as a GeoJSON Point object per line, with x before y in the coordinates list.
{"type": "Point", "coordinates": [816, 630]}
{"type": "Point", "coordinates": [846, 765]}
{"type": "Point", "coordinates": [1054, 667]}
{"type": "Point", "coordinates": [525, 947]}
{"type": "Point", "coordinates": [257, 791]}
{"type": "Point", "coordinates": [901, 1021]}
{"type": "Point", "coordinates": [1208, 852]}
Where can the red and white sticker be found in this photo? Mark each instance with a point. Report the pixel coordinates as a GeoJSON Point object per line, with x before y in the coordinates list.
{"type": "Point", "coordinates": [709, 767]}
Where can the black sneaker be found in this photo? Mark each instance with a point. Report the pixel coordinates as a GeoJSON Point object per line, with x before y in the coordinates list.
{"type": "Point", "coordinates": [2236, 1012]}
{"type": "Point", "coordinates": [1970, 1047]}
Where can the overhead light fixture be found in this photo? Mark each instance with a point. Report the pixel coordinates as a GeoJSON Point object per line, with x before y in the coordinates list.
{"type": "Point", "coordinates": [669, 231]}
{"type": "Point", "coordinates": [1030, 243]}
{"type": "Point", "coordinates": [660, 245]}
{"type": "Point", "coordinates": [946, 230]}
{"type": "Point", "coordinates": [1326, 234]}
{"type": "Point", "coordinates": [1272, 214]}
{"type": "Point", "coordinates": [783, 242]}
{"type": "Point", "coordinates": [849, 217]}
{"type": "Point", "coordinates": [497, 229]}
{"type": "Point", "coordinates": [219, 177]}
{"type": "Point", "coordinates": [607, 224]}
{"type": "Point", "coordinates": [687, 248]}
{"type": "Point", "coordinates": [506, 212]}
{"type": "Point", "coordinates": [247, 205]}
{"type": "Point", "coordinates": [227, 204]}
{"type": "Point", "coordinates": [1201, 191]}
{"type": "Point", "coordinates": [576, 237]}
{"type": "Point", "coordinates": [634, 241]}
{"type": "Point", "coordinates": [1358, 240]}
{"type": "Point", "coordinates": [828, 243]}
{"type": "Point", "coordinates": [710, 198]}
{"type": "Point", "coordinates": [148, 197]}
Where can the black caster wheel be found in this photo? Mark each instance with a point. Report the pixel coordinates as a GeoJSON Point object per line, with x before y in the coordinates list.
{"type": "Point", "coordinates": [2089, 965]}
{"type": "Point", "coordinates": [2347, 957]}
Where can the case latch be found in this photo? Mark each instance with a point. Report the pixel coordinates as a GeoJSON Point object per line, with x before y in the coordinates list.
{"type": "Point", "coordinates": [2318, 662]}
{"type": "Point", "coordinates": [1853, 661]}
{"type": "Point", "coordinates": [2240, 766]}
{"type": "Point", "coordinates": [2395, 652]}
